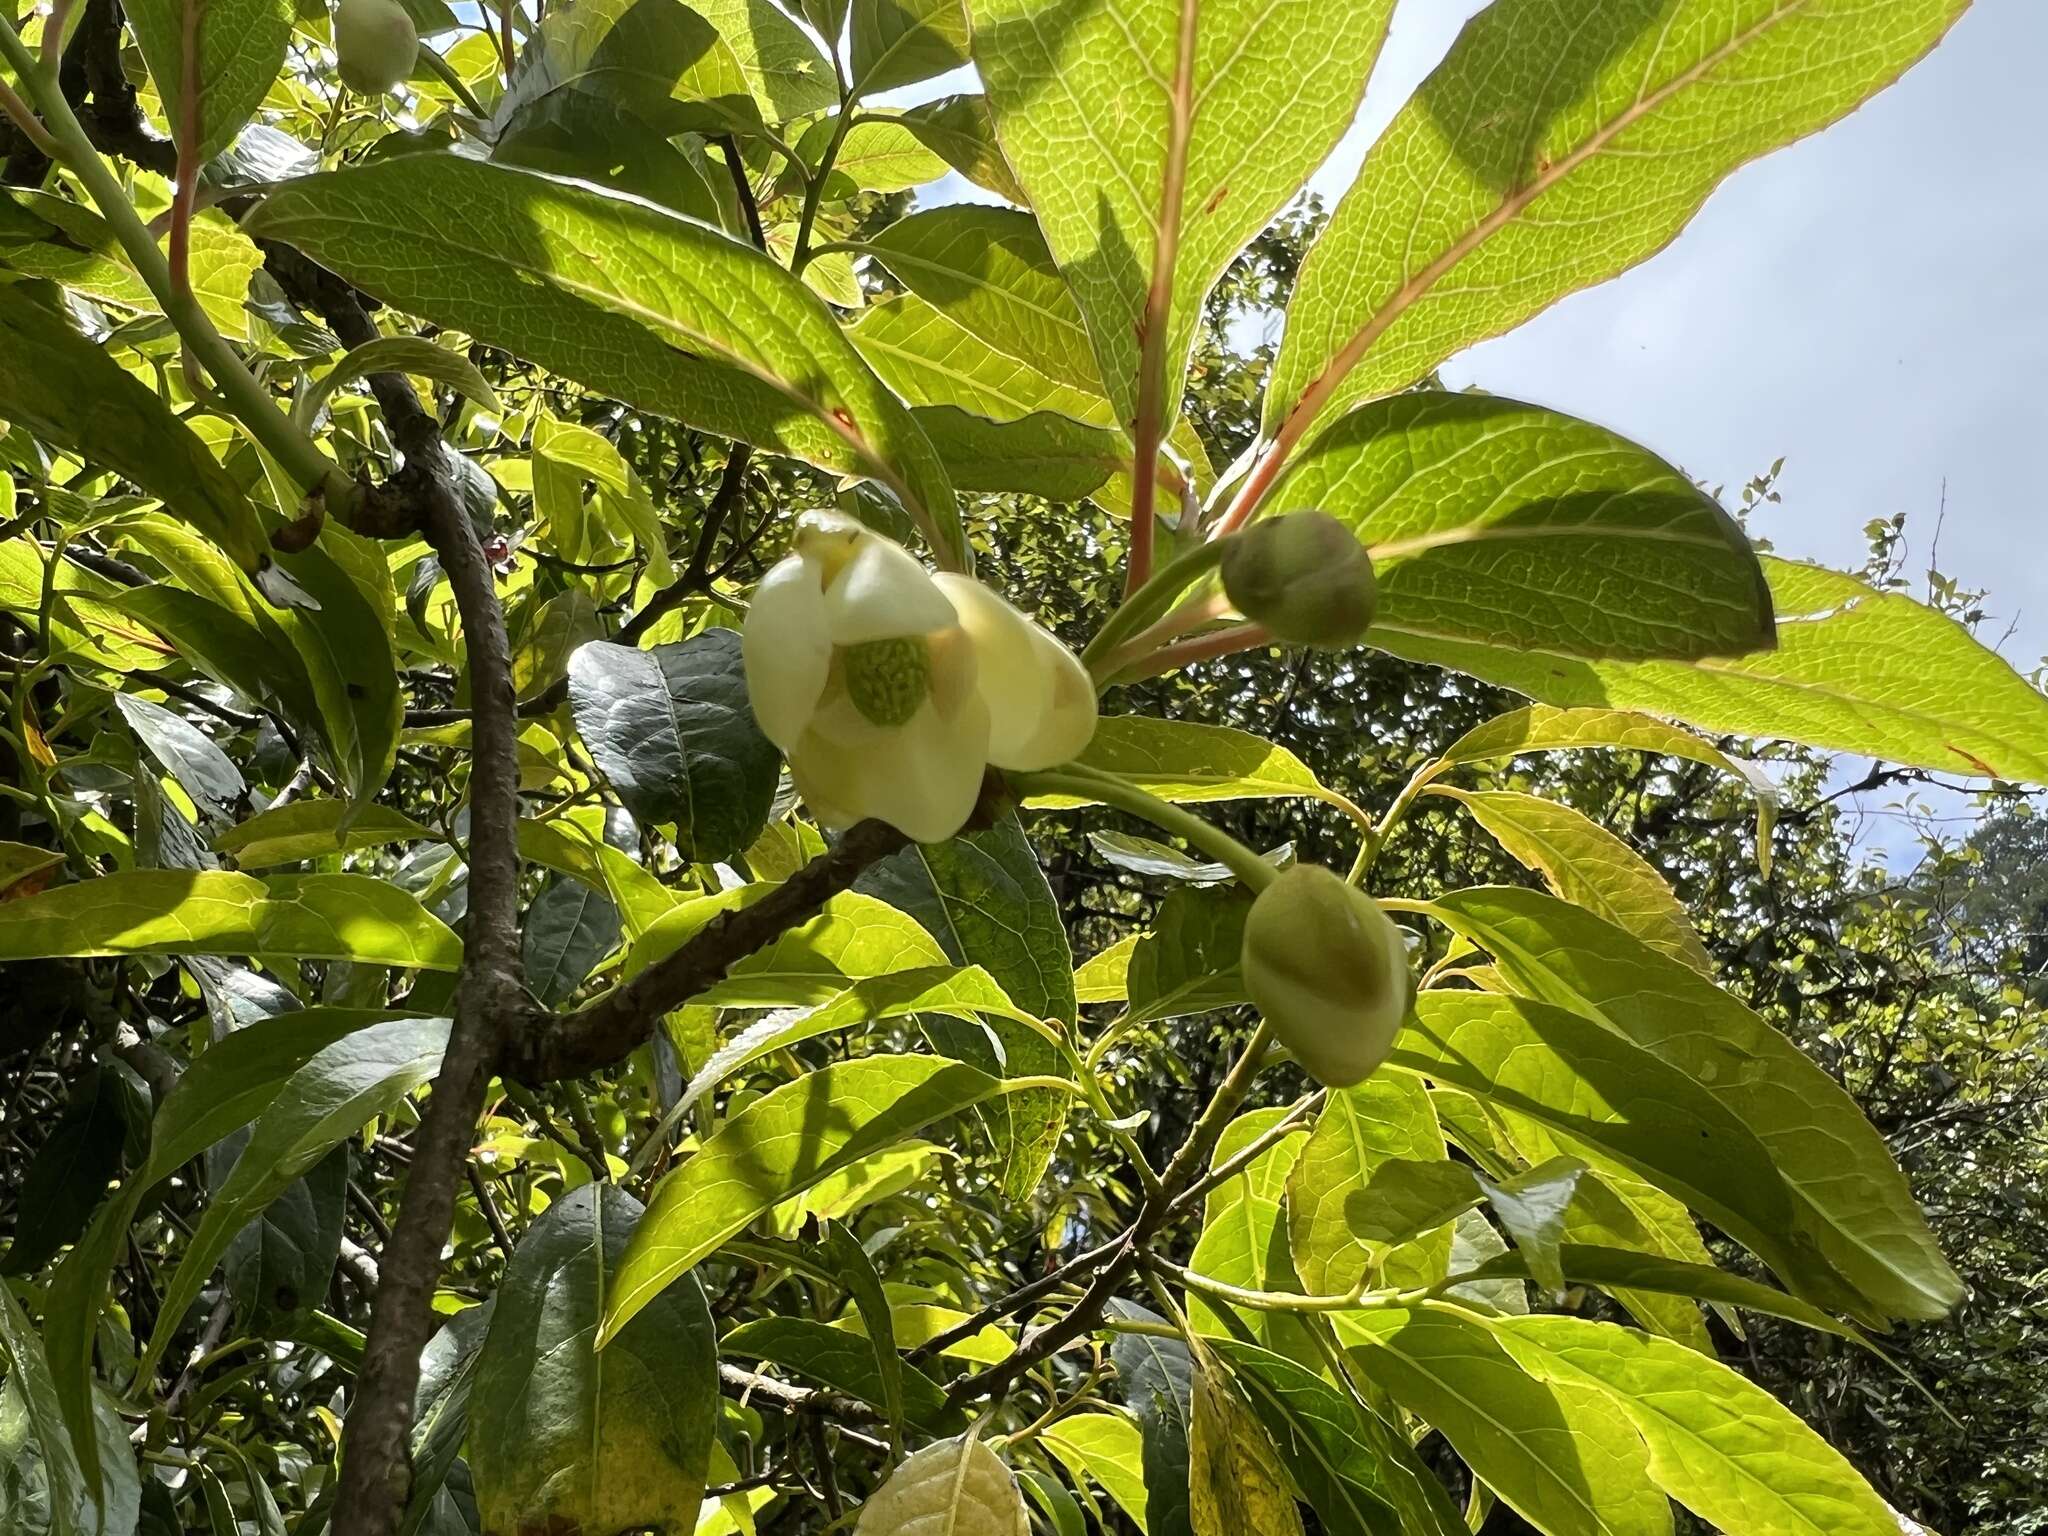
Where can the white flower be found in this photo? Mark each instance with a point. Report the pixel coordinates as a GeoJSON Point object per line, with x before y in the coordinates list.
{"type": "Point", "coordinates": [891, 690]}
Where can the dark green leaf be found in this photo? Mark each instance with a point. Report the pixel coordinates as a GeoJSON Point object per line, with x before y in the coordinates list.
{"type": "Point", "coordinates": [846, 1362]}
{"type": "Point", "coordinates": [188, 754]}
{"type": "Point", "coordinates": [72, 1170]}
{"type": "Point", "coordinates": [568, 929]}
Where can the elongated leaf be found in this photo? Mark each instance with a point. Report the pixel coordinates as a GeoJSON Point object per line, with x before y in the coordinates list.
{"type": "Point", "coordinates": [187, 753]}
{"type": "Point", "coordinates": [671, 729]}
{"type": "Point", "coordinates": [1244, 1234]}
{"type": "Point", "coordinates": [1188, 963]}
{"type": "Point", "coordinates": [563, 1434]}
{"type": "Point", "coordinates": [956, 1487]}
{"type": "Point", "coordinates": [1185, 762]}
{"type": "Point", "coordinates": [283, 1261]}
{"type": "Point", "coordinates": [1044, 454]}
{"type": "Point", "coordinates": [961, 130]}
{"type": "Point", "coordinates": [341, 1086]}
{"type": "Point", "coordinates": [1855, 1204]}
{"type": "Point", "coordinates": [899, 42]}
{"type": "Point", "coordinates": [440, 1416]}
{"type": "Point", "coordinates": [1513, 526]}
{"type": "Point", "coordinates": [399, 354]}
{"type": "Point", "coordinates": [931, 359]}
{"type": "Point", "coordinates": [1560, 1453]}
{"type": "Point", "coordinates": [1604, 132]}
{"type": "Point", "coordinates": [1110, 1450]}
{"type": "Point", "coordinates": [1532, 1207]}
{"type": "Point", "coordinates": [71, 393]}
{"type": "Point", "coordinates": [1855, 671]}
{"type": "Point", "coordinates": [1382, 1119]}
{"type": "Point", "coordinates": [74, 1500]}
{"type": "Point", "coordinates": [349, 655]}
{"type": "Point", "coordinates": [241, 47]}
{"type": "Point", "coordinates": [1589, 867]}
{"type": "Point", "coordinates": [1236, 1485]}
{"type": "Point", "coordinates": [853, 938]}
{"type": "Point", "coordinates": [1720, 1445]}
{"type": "Point", "coordinates": [310, 829]}
{"type": "Point", "coordinates": [214, 912]}
{"type": "Point", "coordinates": [71, 1170]}
{"type": "Point", "coordinates": [878, 154]}
{"type": "Point", "coordinates": [568, 929]}
{"type": "Point", "coordinates": [677, 318]}
{"type": "Point", "coordinates": [1580, 1077]}
{"type": "Point", "coordinates": [845, 1362]}
{"type": "Point", "coordinates": [855, 1270]}
{"type": "Point", "coordinates": [1356, 1471]}
{"type": "Point", "coordinates": [986, 900]}
{"type": "Point", "coordinates": [781, 1145]}
{"type": "Point", "coordinates": [1156, 139]}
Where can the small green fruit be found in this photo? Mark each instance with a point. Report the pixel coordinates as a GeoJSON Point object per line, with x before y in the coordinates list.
{"type": "Point", "coordinates": [376, 43]}
{"type": "Point", "coordinates": [1329, 970]}
{"type": "Point", "coordinates": [1304, 576]}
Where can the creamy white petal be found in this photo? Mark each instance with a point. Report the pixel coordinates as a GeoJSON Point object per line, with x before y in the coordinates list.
{"type": "Point", "coordinates": [1068, 723]}
{"type": "Point", "coordinates": [1013, 676]}
{"type": "Point", "coordinates": [883, 594]}
{"type": "Point", "coordinates": [787, 648]}
{"type": "Point", "coordinates": [923, 778]}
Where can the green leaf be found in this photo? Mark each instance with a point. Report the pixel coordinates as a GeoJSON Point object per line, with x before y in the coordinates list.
{"type": "Point", "coordinates": [1720, 1445]}
{"type": "Point", "coordinates": [1405, 1198]}
{"type": "Point", "coordinates": [71, 1170]}
{"type": "Point", "coordinates": [1244, 1234]}
{"type": "Point", "coordinates": [585, 454]}
{"type": "Point", "coordinates": [350, 660]}
{"type": "Point", "coordinates": [1855, 671]}
{"type": "Point", "coordinates": [87, 257]}
{"type": "Point", "coordinates": [956, 1487]}
{"type": "Point", "coordinates": [1589, 867]}
{"type": "Point", "coordinates": [1188, 963]}
{"type": "Point", "coordinates": [1532, 1206]}
{"type": "Point", "coordinates": [677, 319]}
{"type": "Point", "coordinates": [1540, 728]}
{"type": "Point", "coordinates": [657, 61]}
{"type": "Point", "coordinates": [564, 1435]}
{"type": "Point", "coordinates": [1602, 135]}
{"type": "Point", "coordinates": [1110, 1450]}
{"type": "Point", "coordinates": [988, 271]}
{"type": "Point", "coordinates": [312, 829]}
{"type": "Point", "coordinates": [1157, 1377]}
{"type": "Point", "coordinates": [573, 133]}
{"type": "Point", "coordinates": [853, 937]}
{"type": "Point", "coordinates": [671, 730]}
{"type": "Point", "coordinates": [283, 1261]}
{"type": "Point", "coordinates": [1855, 1204]}
{"type": "Point", "coordinates": [1512, 526]}
{"type": "Point", "coordinates": [1236, 1484]}
{"type": "Point", "coordinates": [568, 929]}
{"type": "Point", "coordinates": [19, 861]}
{"type": "Point", "coordinates": [187, 753]}
{"type": "Point", "coordinates": [1044, 454]}
{"type": "Point", "coordinates": [899, 42]}
{"type": "Point", "coordinates": [1355, 1470]}
{"type": "Point", "coordinates": [1561, 1454]}
{"type": "Point", "coordinates": [440, 1417]}
{"type": "Point", "coordinates": [778, 1146]}
{"type": "Point", "coordinates": [214, 912]}
{"type": "Point", "coordinates": [845, 1362]}
{"type": "Point", "coordinates": [878, 154]}
{"type": "Point", "coordinates": [961, 130]}
{"type": "Point", "coordinates": [340, 1088]}
{"type": "Point", "coordinates": [1187, 763]}
{"type": "Point", "coordinates": [413, 355]}
{"type": "Point", "coordinates": [790, 78]}
{"type": "Point", "coordinates": [1156, 141]}
{"type": "Point", "coordinates": [1583, 1079]}
{"type": "Point", "coordinates": [849, 1261]}
{"type": "Point", "coordinates": [71, 393]}
{"type": "Point", "coordinates": [74, 1500]}
{"type": "Point", "coordinates": [985, 898]}
{"type": "Point", "coordinates": [241, 48]}
{"type": "Point", "coordinates": [930, 360]}
{"type": "Point", "coordinates": [1386, 1118]}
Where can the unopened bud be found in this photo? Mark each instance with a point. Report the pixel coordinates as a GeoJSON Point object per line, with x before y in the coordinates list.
{"type": "Point", "coordinates": [1329, 970]}
{"type": "Point", "coordinates": [1304, 576]}
{"type": "Point", "coordinates": [376, 44]}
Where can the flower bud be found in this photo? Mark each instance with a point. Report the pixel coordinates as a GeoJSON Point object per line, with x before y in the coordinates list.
{"type": "Point", "coordinates": [1329, 970]}
{"type": "Point", "coordinates": [376, 43]}
{"type": "Point", "coordinates": [1304, 576]}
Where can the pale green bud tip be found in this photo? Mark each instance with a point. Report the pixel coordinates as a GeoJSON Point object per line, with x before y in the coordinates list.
{"type": "Point", "coordinates": [1329, 971]}
{"type": "Point", "coordinates": [1304, 576]}
{"type": "Point", "coordinates": [887, 680]}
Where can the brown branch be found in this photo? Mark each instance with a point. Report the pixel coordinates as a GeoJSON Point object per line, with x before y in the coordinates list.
{"type": "Point", "coordinates": [696, 577]}
{"type": "Point", "coordinates": [609, 1029]}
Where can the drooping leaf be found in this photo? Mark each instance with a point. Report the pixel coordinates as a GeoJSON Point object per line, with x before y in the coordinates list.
{"type": "Point", "coordinates": [657, 61]}
{"type": "Point", "coordinates": [413, 355]}
{"type": "Point", "coordinates": [1603, 134]}
{"type": "Point", "coordinates": [568, 929]}
{"type": "Point", "coordinates": [1512, 526]}
{"type": "Point", "coordinates": [1589, 867]}
{"type": "Point", "coordinates": [1187, 762]}
{"type": "Point", "coordinates": [1532, 1206]}
{"type": "Point", "coordinates": [671, 729]}
{"type": "Point", "coordinates": [310, 829]}
{"type": "Point", "coordinates": [70, 392]}
{"type": "Point", "coordinates": [1107, 1448]}
{"type": "Point", "coordinates": [1719, 1444]}
{"type": "Point", "coordinates": [677, 318]}
{"type": "Point", "coordinates": [845, 1362]}
{"type": "Point", "coordinates": [283, 1260]}
{"type": "Point", "coordinates": [75, 1501]}
{"type": "Point", "coordinates": [961, 130]}
{"type": "Point", "coordinates": [215, 912]}
{"type": "Point", "coordinates": [1157, 1377]}
{"type": "Point", "coordinates": [340, 1087]}
{"type": "Point", "coordinates": [1855, 671]}
{"type": "Point", "coordinates": [564, 1435]}
{"type": "Point", "coordinates": [1236, 1484]}
{"type": "Point", "coordinates": [790, 78]}
{"type": "Point", "coordinates": [1855, 1204]}
{"type": "Point", "coordinates": [1156, 138]}
{"type": "Point", "coordinates": [440, 1418]}
{"type": "Point", "coordinates": [930, 359]}
{"type": "Point", "coordinates": [350, 658]}
{"type": "Point", "coordinates": [780, 1145]}
{"type": "Point", "coordinates": [1043, 454]}
{"type": "Point", "coordinates": [71, 1170]}
{"type": "Point", "coordinates": [1188, 963]}
{"type": "Point", "coordinates": [855, 1270]}
{"type": "Point", "coordinates": [187, 753]}
{"type": "Point", "coordinates": [241, 49]}
{"type": "Point", "coordinates": [1561, 1454]}
{"type": "Point", "coordinates": [1244, 1234]}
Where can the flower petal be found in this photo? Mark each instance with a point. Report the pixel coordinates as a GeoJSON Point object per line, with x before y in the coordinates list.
{"type": "Point", "coordinates": [1014, 678]}
{"type": "Point", "coordinates": [787, 648]}
{"type": "Point", "coordinates": [1068, 723]}
{"type": "Point", "coordinates": [923, 778]}
{"type": "Point", "coordinates": [883, 594]}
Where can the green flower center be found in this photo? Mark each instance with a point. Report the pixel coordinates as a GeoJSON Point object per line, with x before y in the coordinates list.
{"type": "Point", "coordinates": [888, 679]}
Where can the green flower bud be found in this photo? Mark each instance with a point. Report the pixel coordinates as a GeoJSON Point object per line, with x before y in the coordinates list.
{"type": "Point", "coordinates": [1304, 576]}
{"type": "Point", "coordinates": [1329, 970]}
{"type": "Point", "coordinates": [376, 44]}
